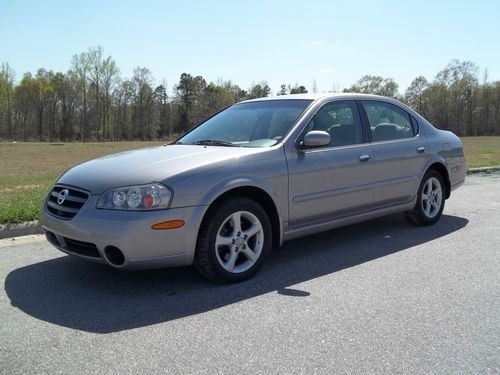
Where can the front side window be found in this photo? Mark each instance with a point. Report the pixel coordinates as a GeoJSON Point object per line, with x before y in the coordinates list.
{"type": "Point", "coordinates": [341, 120]}
{"type": "Point", "coordinates": [253, 124]}
{"type": "Point", "coordinates": [387, 121]}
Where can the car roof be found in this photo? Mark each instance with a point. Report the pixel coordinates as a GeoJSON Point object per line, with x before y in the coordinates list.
{"type": "Point", "coordinates": [317, 96]}
{"type": "Point", "coordinates": [325, 97]}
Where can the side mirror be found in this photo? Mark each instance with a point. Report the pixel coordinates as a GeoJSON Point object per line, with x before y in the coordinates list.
{"type": "Point", "coordinates": [316, 138]}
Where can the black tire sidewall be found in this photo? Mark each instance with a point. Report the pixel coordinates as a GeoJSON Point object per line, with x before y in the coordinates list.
{"type": "Point", "coordinates": [420, 211]}
{"type": "Point", "coordinates": [215, 220]}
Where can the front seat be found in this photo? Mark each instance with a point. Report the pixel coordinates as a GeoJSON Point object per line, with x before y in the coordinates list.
{"type": "Point", "coordinates": [342, 134]}
{"type": "Point", "coordinates": [385, 132]}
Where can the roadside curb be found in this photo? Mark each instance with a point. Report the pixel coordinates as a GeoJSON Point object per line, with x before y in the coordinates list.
{"type": "Point", "coordinates": [483, 169]}
{"type": "Point", "coordinates": [20, 229]}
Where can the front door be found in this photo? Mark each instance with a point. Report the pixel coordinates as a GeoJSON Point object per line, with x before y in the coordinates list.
{"type": "Point", "coordinates": [334, 180]}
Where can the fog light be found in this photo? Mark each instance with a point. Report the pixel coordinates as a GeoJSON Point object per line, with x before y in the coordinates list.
{"type": "Point", "coordinates": [173, 224]}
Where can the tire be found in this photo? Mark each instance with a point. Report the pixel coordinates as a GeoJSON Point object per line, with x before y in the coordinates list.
{"type": "Point", "coordinates": [230, 252]}
{"type": "Point", "coordinates": [430, 200]}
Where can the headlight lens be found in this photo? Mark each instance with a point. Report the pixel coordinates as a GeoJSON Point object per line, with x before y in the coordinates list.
{"type": "Point", "coordinates": [143, 197]}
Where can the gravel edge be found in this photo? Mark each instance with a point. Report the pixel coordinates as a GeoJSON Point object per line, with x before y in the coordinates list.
{"type": "Point", "coordinates": [483, 169]}
{"type": "Point", "coordinates": [20, 229]}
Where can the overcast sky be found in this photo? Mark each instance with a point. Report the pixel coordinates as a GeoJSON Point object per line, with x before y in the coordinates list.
{"type": "Point", "coordinates": [332, 42]}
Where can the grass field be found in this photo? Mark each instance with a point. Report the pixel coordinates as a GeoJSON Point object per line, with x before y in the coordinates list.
{"type": "Point", "coordinates": [482, 151]}
{"type": "Point", "coordinates": [28, 170]}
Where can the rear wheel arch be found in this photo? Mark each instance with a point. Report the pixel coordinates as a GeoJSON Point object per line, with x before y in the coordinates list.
{"type": "Point", "coordinates": [443, 171]}
{"type": "Point", "coordinates": [430, 199]}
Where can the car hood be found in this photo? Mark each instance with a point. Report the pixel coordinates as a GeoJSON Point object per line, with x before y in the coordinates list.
{"type": "Point", "coordinates": [147, 165]}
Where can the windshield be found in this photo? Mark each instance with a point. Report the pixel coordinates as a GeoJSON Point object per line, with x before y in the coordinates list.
{"type": "Point", "coordinates": [254, 124]}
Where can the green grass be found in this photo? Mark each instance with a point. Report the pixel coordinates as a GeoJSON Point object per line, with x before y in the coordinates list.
{"type": "Point", "coordinates": [28, 170]}
{"type": "Point", "coordinates": [482, 151]}
{"type": "Point", "coordinates": [20, 196]}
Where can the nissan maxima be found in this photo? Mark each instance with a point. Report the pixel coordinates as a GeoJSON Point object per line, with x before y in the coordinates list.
{"type": "Point", "coordinates": [257, 174]}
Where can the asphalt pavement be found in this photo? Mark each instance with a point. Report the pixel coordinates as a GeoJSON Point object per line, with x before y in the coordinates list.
{"type": "Point", "coordinates": [377, 297]}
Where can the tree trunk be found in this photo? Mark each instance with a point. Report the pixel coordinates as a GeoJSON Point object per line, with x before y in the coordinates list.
{"type": "Point", "coordinates": [40, 123]}
{"type": "Point", "coordinates": [83, 129]}
{"type": "Point", "coordinates": [9, 115]}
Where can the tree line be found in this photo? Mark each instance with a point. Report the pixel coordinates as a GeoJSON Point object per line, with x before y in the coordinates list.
{"type": "Point", "coordinates": [93, 102]}
{"type": "Point", "coordinates": [455, 100]}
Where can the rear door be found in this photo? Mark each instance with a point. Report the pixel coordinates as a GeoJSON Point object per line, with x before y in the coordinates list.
{"type": "Point", "coordinates": [399, 151]}
{"type": "Point", "coordinates": [334, 180]}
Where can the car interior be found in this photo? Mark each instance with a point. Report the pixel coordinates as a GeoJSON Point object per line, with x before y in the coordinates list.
{"type": "Point", "coordinates": [339, 121]}
{"type": "Point", "coordinates": [387, 124]}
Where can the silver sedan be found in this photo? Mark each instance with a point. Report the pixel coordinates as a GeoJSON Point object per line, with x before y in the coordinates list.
{"type": "Point", "coordinates": [255, 175]}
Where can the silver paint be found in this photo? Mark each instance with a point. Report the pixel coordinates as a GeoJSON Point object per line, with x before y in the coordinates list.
{"type": "Point", "coordinates": [313, 189]}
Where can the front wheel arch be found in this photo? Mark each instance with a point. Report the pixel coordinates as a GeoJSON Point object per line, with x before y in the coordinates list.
{"type": "Point", "coordinates": [258, 195]}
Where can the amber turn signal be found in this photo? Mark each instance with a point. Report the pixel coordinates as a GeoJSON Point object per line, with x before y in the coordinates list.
{"type": "Point", "coordinates": [174, 224]}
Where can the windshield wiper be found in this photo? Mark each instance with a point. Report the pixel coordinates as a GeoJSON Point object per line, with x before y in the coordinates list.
{"type": "Point", "coordinates": [213, 142]}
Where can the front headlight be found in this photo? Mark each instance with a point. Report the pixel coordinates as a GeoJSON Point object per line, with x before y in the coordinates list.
{"type": "Point", "coordinates": [143, 197]}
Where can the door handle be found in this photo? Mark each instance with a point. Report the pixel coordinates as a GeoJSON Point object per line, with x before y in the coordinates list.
{"type": "Point", "coordinates": [364, 158]}
{"type": "Point", "coordinates": [421, 149]}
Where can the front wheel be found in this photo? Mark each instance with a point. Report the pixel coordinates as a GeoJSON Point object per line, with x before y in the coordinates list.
{"type": "Point", "coordinates": [234, 240]}
{"type": "Point", "coordinates": [430, 200]}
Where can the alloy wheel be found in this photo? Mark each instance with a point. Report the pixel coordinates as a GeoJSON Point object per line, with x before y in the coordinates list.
{"type": "Point", "coordinates": [432, 196]}
{"type": "Point", "coordinates": [239, 242]}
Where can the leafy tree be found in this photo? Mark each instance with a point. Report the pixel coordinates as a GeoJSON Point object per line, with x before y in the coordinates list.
{"type": "Point", "coordinates": [64, 103]}
{"type": "Point", "coordinates": [189, 91]}
{"type": "Point", "coordinates": [161, 98]}
{"type": "Point", "coordinates": [124, 95]}
{"type": "Point", "coordinates": [145, 119]}
{"type": "Point", "coordinates": [38, 92]}
{"type": "Point", "coordinates": [283, 90]}
{"type": "Point", "coordinates": [414, 95]}
{"type": "Point", "coordinates": [298, 90]}
{"type": "Point", "coordinates": [376, 85]}
{"type": "Point", "coordinates": [259, 90]}
{"type": "Point", "coordinates": [92, 101]}
{"type": "Point", "coordinates": [7, 77]}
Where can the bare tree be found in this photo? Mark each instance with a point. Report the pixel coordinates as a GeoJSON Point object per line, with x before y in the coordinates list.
{"type": "Point", "coordinates": [7, 78]}
{"type": "Point", "coordinates": [80, 67]}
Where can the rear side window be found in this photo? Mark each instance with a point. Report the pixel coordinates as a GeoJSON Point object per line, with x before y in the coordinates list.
{"type": "Point", "coordinates": [387, 121]}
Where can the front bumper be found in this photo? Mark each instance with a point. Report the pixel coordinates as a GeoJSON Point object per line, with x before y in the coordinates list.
{"type": "Point", "coordinates": [92, 230]}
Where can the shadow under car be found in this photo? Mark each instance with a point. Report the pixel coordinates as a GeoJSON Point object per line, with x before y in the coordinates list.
{"type": "Point", "coordinates": [96, 298]}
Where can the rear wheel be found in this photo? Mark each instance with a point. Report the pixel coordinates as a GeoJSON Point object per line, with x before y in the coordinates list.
{"type": "Point", "coordinates": [430, 200]}
{"type": "Point", "coordinates": [233, 241]}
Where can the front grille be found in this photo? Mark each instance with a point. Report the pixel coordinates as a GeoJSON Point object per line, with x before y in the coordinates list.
{"type": "Point", "coordinates": [82, 248]}
{"type": "Point", "coordinates": [71, 204]}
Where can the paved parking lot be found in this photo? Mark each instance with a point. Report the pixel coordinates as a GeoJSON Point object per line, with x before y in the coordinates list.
{"type": "Point", "coordinates": [377, 297]}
